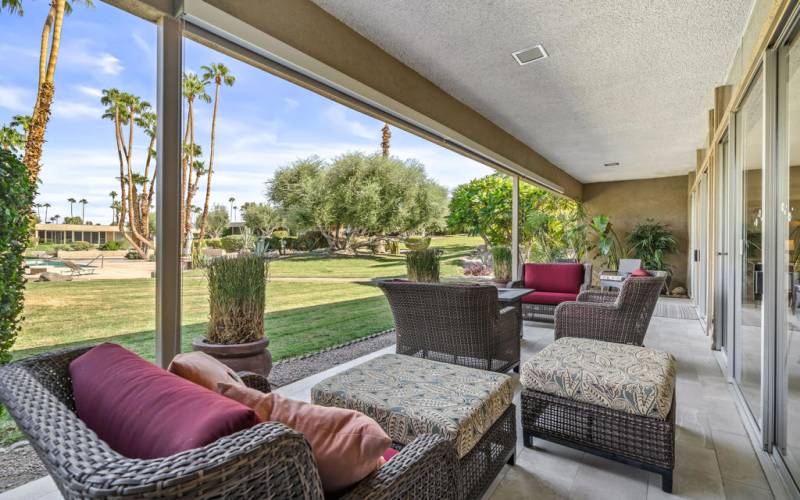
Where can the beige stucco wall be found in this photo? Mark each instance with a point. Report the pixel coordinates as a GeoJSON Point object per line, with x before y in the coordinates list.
{"type": "Point", "coordinates": [627, 203]}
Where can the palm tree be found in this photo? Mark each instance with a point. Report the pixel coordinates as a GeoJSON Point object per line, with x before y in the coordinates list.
{"type": "Point", "coordinates": [386, 138]}
{"type": "Point", "coordinates": [48, 55]}
{"type": "Point", "coordinates": [46, 206]}
{"type": "Point", "coordinates": [113, 195]}
{"type": "Point", "coordinates": [21, 121]}
{"type": "Point", "coordinates": [221, 75]}
{"type": "Point", "coordinates": [37, 206]}
{"type": "Point", "coordinates": [71, 202]}
{"type": "Point", "coordinates": [231, 200]}
{"type": "Point", "coordinates": [55, 218]}
{"type": "Point", "coordinates": [194, 88]}
{"type": "Point", "coordinates": [83, 202]}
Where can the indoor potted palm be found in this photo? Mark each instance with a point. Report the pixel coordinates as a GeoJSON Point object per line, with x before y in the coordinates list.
{"type": "Point", "coordinates": [237, 295]}
{"type": "Point", "coordinates": [651, 241]}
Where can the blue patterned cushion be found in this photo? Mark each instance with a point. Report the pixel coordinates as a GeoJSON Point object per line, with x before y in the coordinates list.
{"type": "Point", "coordinates": [628, 378]}
{"type": "Point", "coordinates": [411, 396]}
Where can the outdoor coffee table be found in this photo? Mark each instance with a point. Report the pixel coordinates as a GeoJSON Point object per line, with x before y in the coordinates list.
{"type": "Point", "coordinates": [410, 397]}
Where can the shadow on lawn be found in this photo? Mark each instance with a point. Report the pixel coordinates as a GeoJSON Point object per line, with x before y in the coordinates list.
{"type": "Point", "coordinates": [292, 332]}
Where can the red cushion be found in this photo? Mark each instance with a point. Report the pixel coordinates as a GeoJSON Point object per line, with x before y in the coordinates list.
{"type": "Point", "coordinates": [389, 453]}
{"type": "Point", "coordinates": [640, 273]}
{"type": "Point", "coordinates": [560, 278]}
{"type": "Point", "coordinates": [143, 411]}
{"type": "Point", "coordinates": [549, 298]}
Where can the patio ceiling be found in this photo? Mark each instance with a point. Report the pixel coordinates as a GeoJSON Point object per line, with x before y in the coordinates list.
{"type": "Point", "coordinates": [625, 82]}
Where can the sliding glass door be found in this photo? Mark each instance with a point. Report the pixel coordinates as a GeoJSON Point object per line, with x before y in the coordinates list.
{"type": "Point", "coordinates": [722, 274]}
{"type": "Point", "coordinates": [750, 272]}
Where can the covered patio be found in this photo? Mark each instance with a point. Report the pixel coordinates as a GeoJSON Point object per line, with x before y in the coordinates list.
{"type": "Point", "coordinates": [715, 458]}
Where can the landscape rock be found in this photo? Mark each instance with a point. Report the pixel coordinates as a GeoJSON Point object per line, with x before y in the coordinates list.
{"type": "Point", "coordinates": [54, 277]}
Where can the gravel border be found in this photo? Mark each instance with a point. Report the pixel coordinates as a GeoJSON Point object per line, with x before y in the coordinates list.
{"type": "Point", "coordinates": [19, 463]}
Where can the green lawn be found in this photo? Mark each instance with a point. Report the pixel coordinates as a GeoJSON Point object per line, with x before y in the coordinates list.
{"type": "Point", "coordinates": [302, 316]}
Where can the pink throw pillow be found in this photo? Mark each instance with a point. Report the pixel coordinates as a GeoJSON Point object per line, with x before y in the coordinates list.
{"type": "Point", "coordinates": [347, 445]}
{"type": "Point", "coordinates": [640, 273]}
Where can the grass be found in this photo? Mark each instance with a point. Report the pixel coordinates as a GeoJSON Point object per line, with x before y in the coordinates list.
{"type": "Point", "coordinates": [301, 316]}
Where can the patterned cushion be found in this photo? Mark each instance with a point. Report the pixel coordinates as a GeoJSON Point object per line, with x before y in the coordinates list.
{"type": "Point", "coordinates": [628, 378]}
{"type": "Point", "coordinates": [411, 396]}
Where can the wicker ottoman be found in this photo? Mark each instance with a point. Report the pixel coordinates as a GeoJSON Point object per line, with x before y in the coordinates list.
{"type": "Point", "coordinates": [612, 400]}
{"type": "Point", "coordinates": [410, 397]}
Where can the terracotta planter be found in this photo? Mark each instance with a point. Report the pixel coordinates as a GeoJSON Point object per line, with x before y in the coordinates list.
{"type": "Point", "coordinates": [251, 357]}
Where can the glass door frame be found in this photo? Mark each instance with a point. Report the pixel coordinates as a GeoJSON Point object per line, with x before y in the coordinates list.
{"type": "Point", "coordinates": [723, 306]}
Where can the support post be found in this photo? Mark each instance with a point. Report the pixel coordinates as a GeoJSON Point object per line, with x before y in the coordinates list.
{"type": "Point", "coordinates": [168, 199]}
{"type": "Point", "coordinates": [515, 274]}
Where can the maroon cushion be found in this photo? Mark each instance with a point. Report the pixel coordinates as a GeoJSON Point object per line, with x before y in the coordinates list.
{"type": "Point", "coordinates": [549, 298]}
{"type": "Point", "coordinates": [640, 273]}
{"type": "Point", "coordinates": [560, 278]}
{"type": "Point", "coordinates": [389, 453]}
{"type": "Point", "coordinates": [143, 411]}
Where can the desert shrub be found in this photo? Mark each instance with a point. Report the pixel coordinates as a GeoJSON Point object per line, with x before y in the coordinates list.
{"type": "Point", "coordinates": [80, 246]}
{"type": "Point", "coordinates": [215, 243]}
{"type": "Point", "coordinates": [16, 198]}
{"type": "Point", "coordinates": [311, 240]}
{"type": "Point", "coordinates": [232, 243]}
{"type": "Point", "coordinates": [423, 265]}
{"type": "Point", "coordinates": [111, 245]}
{"type": "Point", "coordinates": [416, 243]}
{"type": "Point", "coordinates": [237, 290]}
{"type": "Point", "coordinates": [501, 263]}
{"type": "Point", "coordinates": [133, 255]}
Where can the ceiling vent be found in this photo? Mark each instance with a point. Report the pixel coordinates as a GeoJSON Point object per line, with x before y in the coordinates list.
{"type": "Point", "coordinates": [612, 164]}
{"type": "Point", "coordinates": [527, 56]}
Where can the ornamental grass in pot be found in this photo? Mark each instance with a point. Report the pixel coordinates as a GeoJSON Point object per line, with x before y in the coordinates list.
{"type": "Point", "coordinates": [423, 265]}
{"type": "Point", "coordinates": [501, 264]}
{"type": "Point", "coordinates": [237, 289]}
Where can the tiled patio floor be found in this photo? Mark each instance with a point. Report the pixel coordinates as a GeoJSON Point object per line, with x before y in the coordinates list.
{"type": "Point", "coordinates": [714, 456]}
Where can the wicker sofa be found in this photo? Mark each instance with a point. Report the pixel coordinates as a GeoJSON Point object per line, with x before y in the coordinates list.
{"type": "Point", "coordinates": [268, 460]}
{"type": "Point", "coordinates": [553, 284]}
{"type": "Point", "coordinates": [621, 317]}
{"type": "Point", "coordinates": [460, 324]}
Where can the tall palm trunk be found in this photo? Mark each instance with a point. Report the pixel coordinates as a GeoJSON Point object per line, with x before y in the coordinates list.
{"type": "Point", "coordinates": [204, 221]}
{"type": "Point", "coordinates": [386, 140]}
{"type": "Point", "coordinates": [46, 90]}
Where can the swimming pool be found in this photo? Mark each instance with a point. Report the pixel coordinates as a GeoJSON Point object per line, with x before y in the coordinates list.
{"type": "Point", "coordinates": [44, 263]}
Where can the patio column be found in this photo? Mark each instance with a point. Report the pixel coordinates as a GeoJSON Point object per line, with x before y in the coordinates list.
{"type": "Point", "coordinates": [515, 228]}
{"type": "Point", "coordinates": [168, 222]}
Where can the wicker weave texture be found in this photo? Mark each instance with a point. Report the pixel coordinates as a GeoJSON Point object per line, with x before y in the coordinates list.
{"type": "Point", "coordinates": [457, 324]}
{"type": "Point", "coordinates": [268, 460]}
{"type": "Point", "coordinates": [642, 441]}
{"type": "Point", "coordinates": [613, 317]}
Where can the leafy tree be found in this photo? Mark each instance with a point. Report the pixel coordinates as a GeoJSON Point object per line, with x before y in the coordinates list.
{"type": "Point", "coordinates": [11, 139]}
{"type": "Point", "coordinates": [261, 218]}
{"type": "Point", "coordinates": [73, 220]}
{"type": "Point", "coordinates": [548, 223]}
{"type": "Point", "coordinates": [17, 191]}
{"type": "Point", "coordinates": [217, 220]}
{"type": "Point", "coordinates": [358, 199]}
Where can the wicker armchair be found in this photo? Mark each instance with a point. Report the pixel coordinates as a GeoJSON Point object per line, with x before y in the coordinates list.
{"type": "Point", "coordinates": [621, 317]}
{"type": "Point", "coordinates": [269, 460]}
{"type": "Point", "coordinates": [459, 324]}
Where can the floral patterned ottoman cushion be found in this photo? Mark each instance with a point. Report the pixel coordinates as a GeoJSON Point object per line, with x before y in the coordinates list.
{"type": "Point", "coordinates": [410, 396]}
{"type": "Point", "coordinates": [628, 378]}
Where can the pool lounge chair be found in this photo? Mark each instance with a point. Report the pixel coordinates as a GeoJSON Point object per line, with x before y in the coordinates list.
{"type": "Point", "coordinates": [78, 269]}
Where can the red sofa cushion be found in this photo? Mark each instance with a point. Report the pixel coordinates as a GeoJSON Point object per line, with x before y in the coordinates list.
{"type": "Point", "coordinates": [640, 273]}
{"type": "Point", "coordinates": [559, 278]}
{"type": "Point", "coordinates": [549, 298]}
{"type": "Point", "coordinates": [143, 411]}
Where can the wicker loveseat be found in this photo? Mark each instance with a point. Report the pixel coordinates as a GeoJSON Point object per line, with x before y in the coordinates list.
{"type": "Point", "coordinates": [553, 284]}
{"type": "Point", "coordinates": [268, 460]}
{"type": "Point", "coordinates": [460, 324]}
{"type": "Point", "coordinates": [621, 317]}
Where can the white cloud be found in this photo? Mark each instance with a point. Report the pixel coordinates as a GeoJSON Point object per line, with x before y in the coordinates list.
{"type": "Point", "coordinates": [291, 104]}
{"type": "Point", "coordinates": [79, 53]}
{"type": "Point", "coordinates": [89, 91]}
{"type": "Point", "coordinates": [16, 99]}
{"type": "Point", "coordinates": [256, 139]}
{"type": "Point", "coordinates": [73, 109]}
{"type": "Point", "coordinates": [143, 45]}
{"type": "Point", "coordinates": [337, 116]}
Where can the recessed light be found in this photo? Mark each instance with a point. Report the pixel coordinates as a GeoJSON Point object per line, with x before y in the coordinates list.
{"type": "Point", "coordinates": [612, 164]}
{"type": "Point", "coordinates": [529, 55]}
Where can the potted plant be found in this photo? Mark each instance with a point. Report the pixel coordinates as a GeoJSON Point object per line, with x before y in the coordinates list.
{"type": "Point", "coordinates": [651, 241]}
{"type": "Point", "coordinates": [237, 295]}
{"type": "Point", "coordinates": [609, 246]}
{"type": "Point", "coordinates": [417, 243]}
{"type": "Point", "coordinates": [501, 264]}
{"type": "Point", "coordinates": [423, 265]}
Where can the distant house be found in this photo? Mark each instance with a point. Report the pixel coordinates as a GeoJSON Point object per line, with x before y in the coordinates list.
{"type": "Point", "coordinates": [67, 233]}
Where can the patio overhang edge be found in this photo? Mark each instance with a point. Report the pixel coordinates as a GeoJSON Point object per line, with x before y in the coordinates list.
{"type": "Point", "coordinates": [303, 36]}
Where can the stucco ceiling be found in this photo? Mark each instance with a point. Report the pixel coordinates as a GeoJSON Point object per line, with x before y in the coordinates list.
{"type": "Point", "coordinates": [626, 82]}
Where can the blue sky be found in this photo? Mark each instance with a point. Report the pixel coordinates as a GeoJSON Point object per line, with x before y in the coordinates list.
{"type": "Point", "coordinates": [264, 122]}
